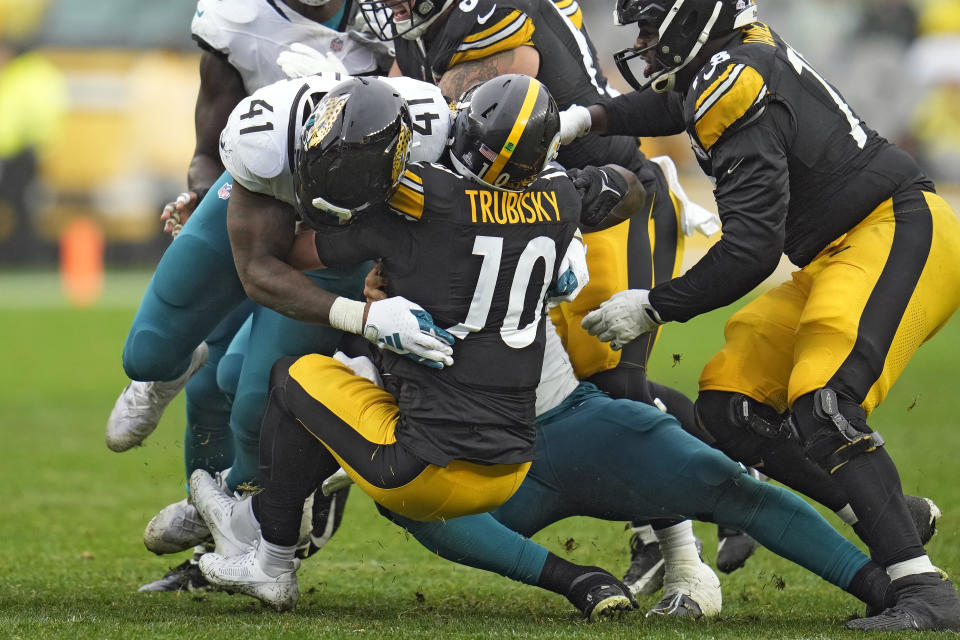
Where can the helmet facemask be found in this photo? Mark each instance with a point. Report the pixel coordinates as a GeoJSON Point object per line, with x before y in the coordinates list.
{"type": "Point", "coordinates": [407, 19]}
{"type": "Point", "coordinates": [673, 36]}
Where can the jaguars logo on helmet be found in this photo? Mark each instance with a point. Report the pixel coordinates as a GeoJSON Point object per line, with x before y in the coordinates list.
{"type": "Point", "coordinates": [352, 151]}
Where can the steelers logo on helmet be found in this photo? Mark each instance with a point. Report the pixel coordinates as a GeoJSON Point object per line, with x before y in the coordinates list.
{"type": "Point", "coordinates": [505, 131]}
{"type": "Point", "coordinates": [352, 152]}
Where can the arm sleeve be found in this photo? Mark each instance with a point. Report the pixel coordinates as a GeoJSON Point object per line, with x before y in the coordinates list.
{"type": "Point", "coordinates": [752, 195]}
{"type": "Point", "coordinates": [644, 113]}
{"type": "Point", "coordinates": [349, 245]}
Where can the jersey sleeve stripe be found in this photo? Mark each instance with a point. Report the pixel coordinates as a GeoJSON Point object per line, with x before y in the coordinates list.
{"type": "Point", "coordinates": [571, 10]}
{"type": "Point", "coordinates": [408, 198]}
{"type": "Point", "coordinates": [513, 31]}
{"type": "Point", "coordinates": [533, 90]}
{"type": "Point", "coordinates": [726, 101]}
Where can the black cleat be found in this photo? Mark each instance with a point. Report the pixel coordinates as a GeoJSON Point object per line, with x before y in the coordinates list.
{"type": "Point", "coordinates": [645, 574]}
{"type": "Point", "coordinates": [734, 549]}
{"type": "Point", "coordinates": [598, 594]}
{"type": "Point", "coordinates": [327, 516]}
{"type": "Point", "coordinates": [925, 514]}
{"type": "Point", "coordinates": [923, 602]}
{"type": "Point", "coordinates": [678, 605]}
{"type": "Point", "coordinates": [185, 576]}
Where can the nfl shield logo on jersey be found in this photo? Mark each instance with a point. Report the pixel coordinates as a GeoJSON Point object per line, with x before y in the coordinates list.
{"type": "Point", "coordinates": [336, 45]}
{"type": "Point", "coordinates": [224, 192]}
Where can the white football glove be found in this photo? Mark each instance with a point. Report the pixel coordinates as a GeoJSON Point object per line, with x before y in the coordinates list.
{"type": "Point", "coordinates": [300, 60]}
{"type": "Point", "coordinates": [626, 316]}
{"type": "Point", "coordinates": [575, 121]}
{"type": "Point", "coordinates": [693, 217]}
{"type": "Point", "coordinates": [572, 274]}
{"type": "Point", "coordinates": [406, 328]}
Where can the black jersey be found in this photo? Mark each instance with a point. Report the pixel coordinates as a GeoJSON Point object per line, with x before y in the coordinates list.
{"type": "Point", "coordinates": [794, 166]}
{"type": "Point", "coordinates": [480, 261]}
{"type": "Point", "coordinates": [568, 65]}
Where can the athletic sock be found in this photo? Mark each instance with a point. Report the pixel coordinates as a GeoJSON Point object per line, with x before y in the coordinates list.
{"type": "Point", "coordinates": [275, 559]}
{"type": "Point", "coordinates": [558, 574]}
{"type": "Point", "coordinates": [678, 544]}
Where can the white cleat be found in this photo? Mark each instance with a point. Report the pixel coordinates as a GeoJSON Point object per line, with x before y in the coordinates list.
{"type": "Point", "coordinates": [216, 507]}
{"type": "Point", "coordinates": [176, 528]}
{"type": "Point", "coordinates": [242, 574]}
{"type": "Point", "coordinates": [138, 409]}
{"type": "Point", "coordinates": [689, 590]}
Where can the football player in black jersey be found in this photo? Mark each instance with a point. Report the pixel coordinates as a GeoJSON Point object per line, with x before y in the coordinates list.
{"type": "Point", "coordinates": [480, 242]}
{"type": "Point", "coordinates": [457, 44]}
{"type": "Point", "coordinates": [798, 173]}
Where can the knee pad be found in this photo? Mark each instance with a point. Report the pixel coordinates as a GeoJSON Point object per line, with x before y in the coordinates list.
{"type": "Point", "coordinates": [718, 412]}
{"type": "Point", "coordinates": [148, 356]}
{"type": "Point", "coordinates": [832, 428]}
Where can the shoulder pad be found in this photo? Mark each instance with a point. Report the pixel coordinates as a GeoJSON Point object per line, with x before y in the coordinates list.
{"type": "Point", "coordinates": [726, 94]}
{"type": "Point", "coordinates": [489, 28]}
{"type": "Point", "coordinates": [429, 114]}
{"type": "Point", "coordinates": [212, 20]}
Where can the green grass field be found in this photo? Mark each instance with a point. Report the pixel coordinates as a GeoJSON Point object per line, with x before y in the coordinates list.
{"type": "Point", "coordinates": [72, 512]}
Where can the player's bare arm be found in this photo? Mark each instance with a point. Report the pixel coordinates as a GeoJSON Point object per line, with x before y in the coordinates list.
{"type": "Point", "coordinates": [461, 77]}
{"type": "Point", "coordinates": [221, 88]}
{"type": "Point", "coordinates": [261, 232]}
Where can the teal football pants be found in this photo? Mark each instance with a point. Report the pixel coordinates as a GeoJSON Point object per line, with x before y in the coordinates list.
{"type": "Point", "coordinates": [623, 460]}
{"type": "Point", "coordinates": [195, 294]}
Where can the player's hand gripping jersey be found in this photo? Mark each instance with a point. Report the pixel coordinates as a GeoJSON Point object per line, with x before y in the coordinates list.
{"type": "Point", "coordinates": [481, 262]}
{"type": "Point", "coordinates": [252, 33]}
{"type": "Point", "coordinates": [255, 145]}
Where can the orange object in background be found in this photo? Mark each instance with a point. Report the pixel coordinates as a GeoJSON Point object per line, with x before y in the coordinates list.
{"type": "Point", "coordinates": [81, 262]}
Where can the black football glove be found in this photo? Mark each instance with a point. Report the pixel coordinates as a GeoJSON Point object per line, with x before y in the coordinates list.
{"type": "Point", "coordinates": [601, 189]}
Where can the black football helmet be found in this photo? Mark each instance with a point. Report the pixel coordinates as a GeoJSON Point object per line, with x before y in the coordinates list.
{"type": "Point", "coordinates": [505, 131]}
{"type": "Point", "coordinates": [407, 19]}
{"type": "Point", "coordinates": [674, 31]}
{"type": "Point", "coordinates": [352, 151]}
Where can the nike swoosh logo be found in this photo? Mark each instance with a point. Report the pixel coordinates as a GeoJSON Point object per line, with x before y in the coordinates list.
{"type": "Point", "coordinates": [734, 167]}
{"type": "Point", "coordinates": [200, 13]}
{"type": "Point", "coordinates": [483, 19]}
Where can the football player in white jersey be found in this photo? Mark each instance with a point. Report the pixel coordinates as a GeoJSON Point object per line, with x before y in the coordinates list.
{"type": "Point", "coordinates": [247, 44]}
{"type": "Point", "coordinates": [195, 290]}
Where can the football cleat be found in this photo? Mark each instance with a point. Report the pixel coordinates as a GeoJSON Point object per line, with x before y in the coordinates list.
{"type": "Point", "coordinates": [690, 589]}
{"type": "Point", "coordinates": [734, 548]}
{"type": "Point", "coordinates": [598, 594]}
{"type": "Point", "coordinates": [677, 605]}
{"type": "Point", "coordinates": [176, 528]}
{"type": "Point", "coordinates": [925, 514]}
{"type": "Point", "coordinates": [138, 409]}
{"type": "Point", "coordinates": [923, 602]}
{"type": "Point", "coordinates": [242, 574]}
{"type": "Point", "coordinates": [185, 576]}
{"type": "Point", "coordinates": [216, 507]}
{"type": "Point", "coordinates": [326, 516]}
{"type": "Point", "coordinates": [645, 574]}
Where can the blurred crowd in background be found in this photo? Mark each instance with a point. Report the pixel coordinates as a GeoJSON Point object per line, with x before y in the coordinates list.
{"type": "Point", "coordinates": [97, 97]}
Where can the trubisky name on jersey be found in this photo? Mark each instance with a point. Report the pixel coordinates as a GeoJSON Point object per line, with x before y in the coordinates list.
{"type": "Point", "coordinates": [508, 207]}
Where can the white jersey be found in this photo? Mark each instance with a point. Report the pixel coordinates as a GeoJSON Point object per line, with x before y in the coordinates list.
{"type": "Point", "coordinates": [557, 380]}
{"type": "Point", "coordinates": [256, 146]}
{"type": "Point", "coordinates": [252, 33]}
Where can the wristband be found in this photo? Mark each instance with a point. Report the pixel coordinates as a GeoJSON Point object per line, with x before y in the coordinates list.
{"type": "Point", "coordinates": [347, 315]}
